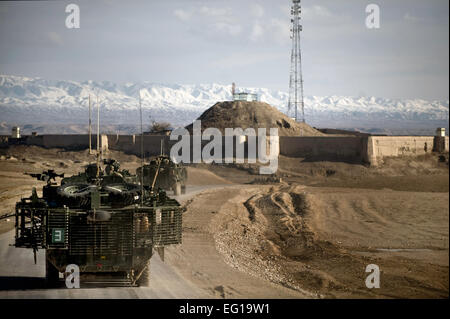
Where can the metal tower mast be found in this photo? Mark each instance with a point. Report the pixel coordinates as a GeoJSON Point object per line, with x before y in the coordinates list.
{"type": "Point", "coordinates": [296, 78]}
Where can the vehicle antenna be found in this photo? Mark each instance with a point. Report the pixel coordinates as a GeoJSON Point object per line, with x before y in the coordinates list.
{"type": "Point", "coordinates": [142, 151]}
{"type": "Point", "coordinates": [90, 127]}
{"type": "Point", "coordinates": [98, 138]}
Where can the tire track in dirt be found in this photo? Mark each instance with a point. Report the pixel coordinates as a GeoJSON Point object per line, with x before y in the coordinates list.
{"type": "Point", "coordinates": [284, 227]}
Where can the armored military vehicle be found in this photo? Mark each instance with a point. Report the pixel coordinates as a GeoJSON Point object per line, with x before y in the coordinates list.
{"type": "Point", "coordinates": [100, 222]}
{"type": "Point", "coordinates": [171, 176]}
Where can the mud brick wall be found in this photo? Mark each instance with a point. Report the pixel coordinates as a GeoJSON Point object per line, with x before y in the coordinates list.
{"type": "Point", "coordinates": [393, 146]}
{"type": "Point", "coordinates": [69, 141]}
{"type": "Point", "coordinates": [329, 148]}
{"type": "Point", "coordinates": [131, 144]}
{"type": "Point", "coordinates": [355, 149]}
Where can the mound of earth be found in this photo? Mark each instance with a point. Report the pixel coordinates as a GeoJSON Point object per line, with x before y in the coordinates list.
{"type": "Point", "coordinates": [234, 114]}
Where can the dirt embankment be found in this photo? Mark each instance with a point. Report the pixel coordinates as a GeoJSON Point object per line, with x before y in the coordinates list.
{"type": "Point", "coordinates": [210, 263]}
{"type": "Point", "coordinates": [320, 241]}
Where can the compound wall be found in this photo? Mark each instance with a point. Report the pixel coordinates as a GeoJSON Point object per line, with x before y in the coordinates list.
{"type": "Point", "coordinates": [131, 144]}
{"type": "Point", "coordinates": [388, 146]}
{"type": "Point", "coordinates": [325, 148]}
{"type": "Point", "coordinates": [356, 149]}
{"type": "Point", "coordinates": [70, 141]}
{"type": "Point", "coordinates": [152, 145]}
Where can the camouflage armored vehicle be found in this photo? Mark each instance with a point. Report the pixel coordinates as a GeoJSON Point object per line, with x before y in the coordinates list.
{"type": "Point", "coordinates": [100, 222]}
{"type": "Point", "coordinates": [171, 176]}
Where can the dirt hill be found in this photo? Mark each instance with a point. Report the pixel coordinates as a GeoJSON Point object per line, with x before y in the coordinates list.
{"type": "Point", "coordinates": [233, 114]}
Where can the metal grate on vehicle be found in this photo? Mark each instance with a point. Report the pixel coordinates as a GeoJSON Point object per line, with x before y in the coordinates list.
{"type": "Point", "coordinates": [111, 237]}
{"type": "Point", "coordinates": [167, 227]}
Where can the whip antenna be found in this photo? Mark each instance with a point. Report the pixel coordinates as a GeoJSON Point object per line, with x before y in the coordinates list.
{"type": "Point", "coordinates": [90, 127]}
{"type": "Point", "coordinates": [98, 138]}
{"type": "Point", "coordinates": [142, 151]}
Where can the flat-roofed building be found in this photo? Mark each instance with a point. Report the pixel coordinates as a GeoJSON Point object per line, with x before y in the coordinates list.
{"type": "Point", "coordinates": [244, 96]}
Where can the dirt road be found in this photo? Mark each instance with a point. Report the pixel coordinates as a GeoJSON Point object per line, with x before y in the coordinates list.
{"type": "Point", "coordinates": [21, 278]}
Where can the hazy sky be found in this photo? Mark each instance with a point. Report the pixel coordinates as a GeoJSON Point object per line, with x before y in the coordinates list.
{"type": "Point", "coordinates": [188, 42]}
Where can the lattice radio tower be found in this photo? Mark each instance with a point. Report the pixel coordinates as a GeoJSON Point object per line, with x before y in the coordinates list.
{"type": "Point", "coordinates": [296, 79]}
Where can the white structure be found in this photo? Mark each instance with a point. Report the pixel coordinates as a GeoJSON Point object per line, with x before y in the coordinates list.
{"type": "Point", "coordinates": [249, 97]}
{"type": "Point", "coordinates": [440, 131]}
{"type": "Point", "coordinates": [15, 132]}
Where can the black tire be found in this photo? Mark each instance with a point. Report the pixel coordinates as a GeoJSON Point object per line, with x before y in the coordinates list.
{"type": "Point", "coordinates": [121, 195]}
{"type": "Point", "coordinates": [51, 274]}
{"type": "Point", "coordinates": [75, 195]}
{"type": "Point", "coordinates": [183, 189]}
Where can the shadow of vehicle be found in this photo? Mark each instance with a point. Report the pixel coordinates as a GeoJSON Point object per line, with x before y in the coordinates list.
{"type": "Point", "coordinates": [23, 283]}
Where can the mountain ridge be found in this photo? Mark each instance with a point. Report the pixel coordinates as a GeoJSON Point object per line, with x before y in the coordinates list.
{"type": "Point", "coordinates": [28, 100]}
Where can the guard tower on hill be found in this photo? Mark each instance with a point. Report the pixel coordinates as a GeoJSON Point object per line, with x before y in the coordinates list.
{"type": "Point", "coordinates": [242, 96]}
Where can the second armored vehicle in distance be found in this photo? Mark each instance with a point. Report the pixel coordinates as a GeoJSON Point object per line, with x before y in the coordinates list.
{"type": "Point", "coordinates": [171, 176]}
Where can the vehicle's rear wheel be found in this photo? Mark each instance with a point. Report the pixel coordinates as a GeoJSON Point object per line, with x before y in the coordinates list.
{"type": "Point", "coordinates": [51, 274]}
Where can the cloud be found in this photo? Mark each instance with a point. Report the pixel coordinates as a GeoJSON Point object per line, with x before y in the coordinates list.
{"type": "Point", "coordinates": [109, 2]}
{"type": "Point", "coordinates": [244, 59]}
{"type": "Point", "coordinates": [257, 32]}
{"type": "Point", "coordinates": [214, 12]}
{"type": "Point", "coordinates": [316, 11]}
{"type": "Point", "coordinates": [286, 10]}
{"type": "Point", "coordinates": [182, 14]}
{"type": "Point", "coordinates": [279, 29]}
{"type": "Point", "coordinates": [276, 30]}
{"type": "Point", "coordinates": [219, 21]}
{"type": "Point", "coordinates": [54, 38]}
{"type": "Point", "coordinates": [256, 10]}
{"type": "Point", "coordinates": [230, 29]}
{"type": "Point", "coordinates": [409, 17]}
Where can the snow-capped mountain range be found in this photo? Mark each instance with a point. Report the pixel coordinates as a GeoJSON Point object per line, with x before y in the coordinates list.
{"type": "Point", "coordinates": [33, 101]}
